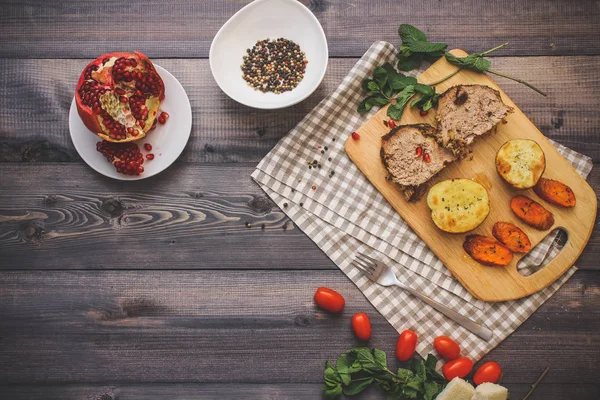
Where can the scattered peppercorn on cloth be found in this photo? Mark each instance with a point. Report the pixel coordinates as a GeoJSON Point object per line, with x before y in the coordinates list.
{"type": "Point", "coordinates": [339, 209]}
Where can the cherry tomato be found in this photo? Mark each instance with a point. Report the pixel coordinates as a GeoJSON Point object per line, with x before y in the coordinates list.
{"type": "Point", "coordinates": [459, 367]}
{"type": "Point", "coordinates": [446, 347]}
{"type": "Point", "coordinates": [329, 299]}
{"type": "Point", "coordinates": [361, 326]}
{"type": "Point", "coordinates": [406, 344]}
{"type": "Point", "coordinates": [488, 372]}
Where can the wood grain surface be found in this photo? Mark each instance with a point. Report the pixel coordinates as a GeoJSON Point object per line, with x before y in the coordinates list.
{"type": "Point", "coordinates": [156, 289]}
{"type": "Point", "coordinates": [485, 283]}
{"type": "Point", "coordinates": [34, 112]}
{"type": "Point", "coordinates": [59, 29]}
{"type": "Point", "coordinates": [240, 326]}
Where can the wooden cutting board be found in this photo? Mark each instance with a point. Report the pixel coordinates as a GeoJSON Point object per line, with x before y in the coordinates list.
{"type": "Point", "coordinates": [485, 283]}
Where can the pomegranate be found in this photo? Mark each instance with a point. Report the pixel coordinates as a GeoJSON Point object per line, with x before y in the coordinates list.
{"type": "Point", "coordinates": [118, 95]}
{"type": "Point", "coordinates": [126, 157]}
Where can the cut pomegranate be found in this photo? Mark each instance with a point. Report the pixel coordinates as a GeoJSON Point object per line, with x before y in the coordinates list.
{"type": "Point", "coordinates": [126, 157]}
{"type": "Point", "coordinates": [162, 118]}
{"type": "Point", "coordinates": [118, 96]}
{"type": "Point", "coordinates": [355, 136]}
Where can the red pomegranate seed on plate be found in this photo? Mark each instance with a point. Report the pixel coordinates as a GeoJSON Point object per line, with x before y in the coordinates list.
{"type": "Point", "coordinates": [150, 156]}
{"type": "Point", "coordinates": [148, 146]}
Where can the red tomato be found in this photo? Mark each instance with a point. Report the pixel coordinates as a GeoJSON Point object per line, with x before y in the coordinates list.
{"type": "Point", "coordinates": [329, 299]}
{"type": "Point", "coordinates": [488, 372]}
{"type": "Point", "coordinates": [406, 344]}
{"type": "Point", "coordinates": [459, 367]}
{"type": "Point", "coordinates": [446, 347]}
{"type": "Point", "coordinates": [361, 326]}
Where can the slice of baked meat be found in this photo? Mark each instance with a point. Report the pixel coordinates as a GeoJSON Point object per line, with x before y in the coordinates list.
{"type": "Point", "coordinates": [412, 157]}
{"type": "Point", "coordinates": [465, 112]}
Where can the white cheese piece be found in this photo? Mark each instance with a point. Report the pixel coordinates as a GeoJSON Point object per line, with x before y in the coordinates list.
{"type": "Point", "coordinates": [457, 389]}
{"type": "Point", "coordinates": [490, 391]}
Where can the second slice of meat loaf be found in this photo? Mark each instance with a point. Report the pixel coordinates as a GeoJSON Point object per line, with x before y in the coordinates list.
{"type": "Point", "coordinates": [465, 112]}
{"type": "Point", "coordinates": [409, 167]}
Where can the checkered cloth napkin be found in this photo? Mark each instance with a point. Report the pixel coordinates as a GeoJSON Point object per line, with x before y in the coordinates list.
{"type": "Point", "coordinates": [337, 207]}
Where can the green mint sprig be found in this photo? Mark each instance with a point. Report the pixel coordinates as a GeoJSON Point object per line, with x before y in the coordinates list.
{"type": "Point", "coordinates": [478, 63]}
{"type": "Point", "coordinates": [358, 368]}
{"type": "Point", "coordinates": [389, 86]}
{"type": "Point", "coordinates": [416, 48]}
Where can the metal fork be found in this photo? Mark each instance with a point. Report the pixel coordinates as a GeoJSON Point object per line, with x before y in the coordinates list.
{"type": "Point", "coordinates": [383, 275]}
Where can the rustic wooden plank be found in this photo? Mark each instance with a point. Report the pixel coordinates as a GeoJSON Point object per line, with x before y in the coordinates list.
{"type": "Point", "coordinates": [72, 28]}
{"type": "Point", "coordinates": [184, 218]}
{"type": "Point", "coordinates": [34, 107]}
{"type": "Point", "coordinates": [67, 216]}
{"type": "Point", "coordinates": [126, 327]}
{"type": "Point", "coordinates": [244, 391]}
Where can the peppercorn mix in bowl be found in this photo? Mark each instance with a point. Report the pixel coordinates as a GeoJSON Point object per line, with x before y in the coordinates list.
{"type": "Point", "coordinates": [271, 54]}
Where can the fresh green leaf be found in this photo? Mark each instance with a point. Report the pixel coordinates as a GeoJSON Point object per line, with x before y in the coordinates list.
{"type": "Point", "coordinates": [430, 362]}
{"type": "Point", "coordinates": [395, 110]}
{"type": "Point", "coordinates": [475, 62]}
{"type": "Point", "coordinates": [409, 33]}
{"type": "Point", "coordinates": [343, 370]}
{"type": "Point", "coordinates": [400, 82]}
{"type": "Point", "coordinates": [366, 359]}
{"type": "Point", "coordinates": [419, 367]}
{"type": "Point", "coordinates": [387, 89]}
{"type": "Point", "coordinates": [331, 377]}
{"type": "Point", "coordinates": [389, 69]}
{"type": "Point", "coordinates": [380, 75]}
{"type": "Point", "coordinates": [357, 387]}
{"type": "Point", "coordinates": [408, 63]}
{"type": "Point", "coordinates": [424, 89]}
{"type": "Point", "coordinates": [365, 84]}
{"type": "Point", "coordinates": [378, 99]}
{"type": "Point", "coordinates": [405, 375]}
{"type": "Point", "coordinates": [415, 383]}
{"type": "Point", "coordinates": [426, 47]}
{"type": "Point", "coordinates": [334, 392]}
{"type": "Point", "coordinates": [380, 358]}
{"type": "Point", "coordinates": [373, 87]}
{"type": "Point", "coordinates": [431, 390]}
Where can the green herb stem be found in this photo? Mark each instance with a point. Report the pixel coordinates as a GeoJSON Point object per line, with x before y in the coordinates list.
{"type": "Point", "coordinates": [536, 383]}
{"type": "Point", "coordinates": [517, 80]}
{"type": "Point", "coordinates": [445, 78]}
{"type": "Point", "coordinates": [494, 49]}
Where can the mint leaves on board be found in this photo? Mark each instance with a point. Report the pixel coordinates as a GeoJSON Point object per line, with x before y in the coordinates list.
{"type": "Point", "coordinates": [415, 48]}
{"type": "Point", "coordinates": [389, 86]}
{"type": "Point", "coordinates": [478, 63]}
{"type": "Point", "coordinates": [358, 368]}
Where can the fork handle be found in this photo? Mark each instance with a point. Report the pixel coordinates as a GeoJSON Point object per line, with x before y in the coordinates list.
{"type": "Point", "coordinates": [479, 330]}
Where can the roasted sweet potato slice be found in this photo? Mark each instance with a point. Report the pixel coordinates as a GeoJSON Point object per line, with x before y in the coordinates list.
{"type": "Point", "coordinates": [487, 250]}
{"type": "Point", "coordinates": [532, 213]}
{"type": "Point", "coordinates": [511, 236]}
{"type": "Point", "coordinates": [555, 192]}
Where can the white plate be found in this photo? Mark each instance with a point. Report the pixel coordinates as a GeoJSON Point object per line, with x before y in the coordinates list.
{"type": "Point", "coordinates": [272, 19]}
{"type": "Point", "coordinates": [168, 140]}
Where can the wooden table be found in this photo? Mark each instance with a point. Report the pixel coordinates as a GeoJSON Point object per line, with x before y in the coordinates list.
{"type": "Point", "coordinates": [156, 289]}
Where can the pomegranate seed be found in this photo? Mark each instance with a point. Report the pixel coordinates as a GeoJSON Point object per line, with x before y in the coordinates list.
{"type": "Point", "coordinates": [426, 158]}
{"type": "Point", "coordinates": [150, 156]}
{"type": "Point", "coordinates": [148, 146]}
{"type": "Point", "coordinates": [162, 118]}
{"type": "Point", "coordinates": [135, 132]}
{"type": "Point", "coordinates": [419, 151]}
{"type": "Point", "coordinates": [391, 124]}
{"type": "Point", "coordinates": [355, 136]}
{"type": "Point", "coordinates": [120, 91]}
{"type": "Point", "coordinates": [142, 123]}
{"type": "Point", "coordinates": [423, 113]}
{"type": "Point", "coordinates": [123, 99]}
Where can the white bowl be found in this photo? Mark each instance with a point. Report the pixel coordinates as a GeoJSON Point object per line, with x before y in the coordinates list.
{"type": "Point", "coordinates": [259, 20]}
{"type": "Point", "coordinates": [168, 140]}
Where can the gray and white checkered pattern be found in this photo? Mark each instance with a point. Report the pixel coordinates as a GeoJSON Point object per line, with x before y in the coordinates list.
{"type": "Point", "coordinates": [345, 214]}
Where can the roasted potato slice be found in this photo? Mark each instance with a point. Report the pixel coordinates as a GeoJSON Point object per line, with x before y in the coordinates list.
{"type": "Point", "coordinates": [532, 213]}
{"type": "Point", "coordinates": [521, 163]}
{"type": "Point", "coordinates": [511, 236]}
{"type": "Point", "coordinates": [555, 192]}
{"type": "Point", "coordinates": [487, 251]}
{"type": "Point", "coordinates": [458, 205]}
